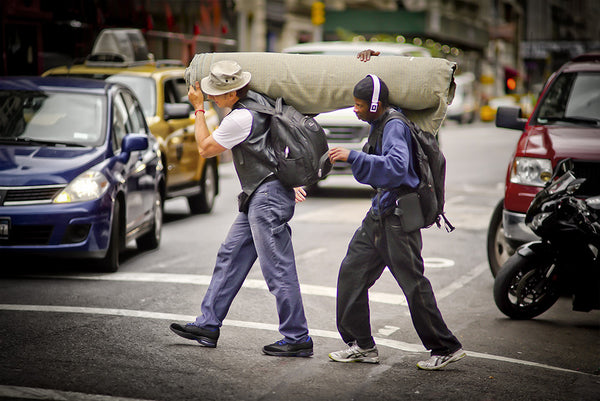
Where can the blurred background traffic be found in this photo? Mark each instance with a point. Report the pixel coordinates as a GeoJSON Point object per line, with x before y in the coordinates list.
{"type": "Point", "coordinates": [504, 49]}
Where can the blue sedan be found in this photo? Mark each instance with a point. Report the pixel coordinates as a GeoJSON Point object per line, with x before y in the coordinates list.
{"type": "Point", "coordinates": [80, 173]}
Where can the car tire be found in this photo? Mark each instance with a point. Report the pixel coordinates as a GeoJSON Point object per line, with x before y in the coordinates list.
{"type": "Point", "coordinates": [469, 118]}
{"type": "Point", "coordinates": [205, 200]}
{"type": "Point", "coordinates": [151, 240]}
{"type": "Point", "coordinates": [110, 262]}
{"type": "Point", "coordinates": [498, 248]}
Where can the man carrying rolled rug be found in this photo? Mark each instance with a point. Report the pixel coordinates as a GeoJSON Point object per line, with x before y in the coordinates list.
{"type": "Point", "coordinates": [261, 228]}
{"type": "Point", "coordinates": [384, 240]}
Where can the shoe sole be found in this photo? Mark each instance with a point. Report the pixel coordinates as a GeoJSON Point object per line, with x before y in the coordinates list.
{"type": "Point", "coordinates": [202, 340]}
{"type": "Point", "coordinates": [357, 360]}
{"type": "Point", "coordinates": [301, 353]}
{"type": "Point", "coordinates": [455, 358]}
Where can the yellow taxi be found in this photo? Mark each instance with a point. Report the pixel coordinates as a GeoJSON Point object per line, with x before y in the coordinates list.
{"type": "Point", "coordinates": [162, 91]}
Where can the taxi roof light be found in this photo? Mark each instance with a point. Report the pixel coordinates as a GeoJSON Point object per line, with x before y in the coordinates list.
{"type": "Point", "coordinates": [119, 47]}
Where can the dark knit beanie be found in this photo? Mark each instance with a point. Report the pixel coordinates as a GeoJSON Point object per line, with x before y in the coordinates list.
{"type": "Point", "coordinates": [364, 90]}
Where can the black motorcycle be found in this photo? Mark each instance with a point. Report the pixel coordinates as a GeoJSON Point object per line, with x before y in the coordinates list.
{"type": "Point", "coordinates": [564, 262]}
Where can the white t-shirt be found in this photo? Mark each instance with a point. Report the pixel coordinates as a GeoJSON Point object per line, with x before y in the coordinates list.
{"type": "Point", "coordinates": [234, 128]}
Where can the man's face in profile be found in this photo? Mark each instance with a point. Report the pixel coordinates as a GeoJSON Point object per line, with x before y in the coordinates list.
{"type": "Point", "coordinates": [362, 110]}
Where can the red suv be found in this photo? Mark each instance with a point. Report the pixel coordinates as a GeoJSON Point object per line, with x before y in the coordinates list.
{"type": "Point", "coordinates": [564, 124]}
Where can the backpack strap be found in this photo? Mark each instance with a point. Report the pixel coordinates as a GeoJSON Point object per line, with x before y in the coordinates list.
{"type": "Point", "coordinates": [279, 105]}
{"type": "Point", "coordinates": [271, 107]}
{"type": "Point", "coordinates": [375, 136]}
{"type": "Point", "coordinates": [447, 225]}
{"type": "Point", "coordinates": [260, 108]}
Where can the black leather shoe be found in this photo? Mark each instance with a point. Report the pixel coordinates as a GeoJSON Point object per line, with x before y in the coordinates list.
{"type": "Point", "coordinates": [282, 348]}
{"type": "Point", "coordinates": [206, 338]}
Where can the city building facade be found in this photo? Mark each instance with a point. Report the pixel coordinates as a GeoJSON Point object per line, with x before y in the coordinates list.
{"type": "Point", "coordinates": [509, 45]}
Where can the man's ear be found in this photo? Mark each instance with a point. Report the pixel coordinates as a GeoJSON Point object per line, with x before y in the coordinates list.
{"type": "Point", "coordinates": [231, 96]}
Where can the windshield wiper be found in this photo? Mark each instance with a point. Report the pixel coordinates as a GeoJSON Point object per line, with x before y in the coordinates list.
{"type": "Point", "coordinates": [576, 120]}
{"type": "Point", "coordinates": [38, 142]}
{"type": "Point", "coordinates": [19, 140]}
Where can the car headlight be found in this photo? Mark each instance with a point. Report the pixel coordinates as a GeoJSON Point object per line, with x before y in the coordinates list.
{"type": "Point", "coordinates": [530, 171]}
{"type": "Point", "coordinates": [87, 186]}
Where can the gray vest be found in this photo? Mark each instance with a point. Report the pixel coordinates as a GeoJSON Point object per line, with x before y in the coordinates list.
{"type": "Point", "coordinates": [253, 158]}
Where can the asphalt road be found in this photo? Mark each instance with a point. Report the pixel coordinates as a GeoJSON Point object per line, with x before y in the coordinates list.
{"type": "Point", "coordinates": [67, 333]}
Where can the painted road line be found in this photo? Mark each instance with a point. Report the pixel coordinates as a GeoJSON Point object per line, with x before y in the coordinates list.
{"type": "Point", "coordinates": [388, 330]}
{"type": "Point", "coordinates": [310, 254]}
{"type": "Point", "coordinates": [306, 289]}
{"type": "Point", "coordinates": [437, 263]}
{"type": "Point", "coordinates": [31, 393]}
{"type": "Point", "coordinates": [461, 282]}
{"type": "Point", "coordinates": [197, 279]}
{"type": "Point", "coordinates": [386, 342]}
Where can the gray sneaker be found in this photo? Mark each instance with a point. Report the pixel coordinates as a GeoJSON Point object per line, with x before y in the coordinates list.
{"type": "Point", "coordinates": [437, 362]}
{"type": "Point", "coordinates": [356, 354]}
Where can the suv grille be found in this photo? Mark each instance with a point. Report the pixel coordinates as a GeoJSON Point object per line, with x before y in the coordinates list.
{"type": "Point", "coordinates": [346, 134]}
{"type": "Point", "coordinates": [591, 172]}
{"type": "Point", "coordinates": [16, 196]}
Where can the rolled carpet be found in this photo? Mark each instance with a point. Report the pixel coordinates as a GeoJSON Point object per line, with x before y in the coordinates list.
{"type": "Point", "coordinates": [421, 86]}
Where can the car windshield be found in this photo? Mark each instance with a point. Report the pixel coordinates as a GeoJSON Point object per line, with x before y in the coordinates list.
{"type": "Point", "coordinates": [51, 118]}
{"type": "Point", "coordinates": [572, 98]}
{"type": "Point", "coordinates": [144, 88]}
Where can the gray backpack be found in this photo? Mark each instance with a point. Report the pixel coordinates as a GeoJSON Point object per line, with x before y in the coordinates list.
{"type": "Point", "coordinates": [298, 142]}
{"type": "Point", "coordinates": [430, 166]}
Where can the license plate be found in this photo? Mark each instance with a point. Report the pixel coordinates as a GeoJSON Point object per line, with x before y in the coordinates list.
{"type": "Point", "coordinates": [4, 227]}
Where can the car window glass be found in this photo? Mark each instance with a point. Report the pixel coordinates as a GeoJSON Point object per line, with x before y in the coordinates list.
{"type": "Point", "coordinates": [555, 99]}
{"type": "Point", "coordinates": [66, 118]}
{"type": "Point", "coordinates": [571, 95]}
{"type": "Point", "coordinates": [182, 89]}
{"type": "Point", "coordinates": [119, 121]}
{"type": "Point", "coordinates": [136, 118]}
{"type": "Point", "coordinates": [585, 97]}
{"type": "Point", "coordinates": [175, 91]}
{"type": "Point", "coordinates": [171, 92]}
{"type": "Point", "coordinates": [144, 89]}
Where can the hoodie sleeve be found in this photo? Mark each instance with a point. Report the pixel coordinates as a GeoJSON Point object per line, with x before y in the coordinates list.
{"type": "Point", "coordinates": [392, 168]}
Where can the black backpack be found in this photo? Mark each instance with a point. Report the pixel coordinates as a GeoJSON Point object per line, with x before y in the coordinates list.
{"type": "Point", "coordinates": [430, 166]}
{"type": "Point", "coordinates": [298, 142]}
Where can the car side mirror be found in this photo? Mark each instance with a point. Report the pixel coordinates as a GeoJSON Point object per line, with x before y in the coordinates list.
{"type": "Point", "coordinates": [132, 143]}
{"type": "Point", "coordinates": [510, 117]}
{"type": "Point", "coordinates": [177, 110]}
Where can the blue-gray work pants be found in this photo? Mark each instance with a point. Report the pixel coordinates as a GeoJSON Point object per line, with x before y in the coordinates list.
{"type": "Point", "coordinates": [375, 245]}
{"type": "Point", "coordinates": [264, 233]}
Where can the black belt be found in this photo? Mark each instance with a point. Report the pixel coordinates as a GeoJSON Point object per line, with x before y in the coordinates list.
{"type": "Point", "coordinates": [270, 178]}
{"type": "Point", "coordinates": [386, 213]}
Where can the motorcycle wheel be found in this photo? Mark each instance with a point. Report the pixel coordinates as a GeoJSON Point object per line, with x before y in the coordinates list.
{"type": "Point", "coordinates": [523, 289]}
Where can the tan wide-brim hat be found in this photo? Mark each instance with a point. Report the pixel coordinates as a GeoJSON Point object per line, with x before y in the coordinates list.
{"type": "Point", "coordinates": [225, 76]}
